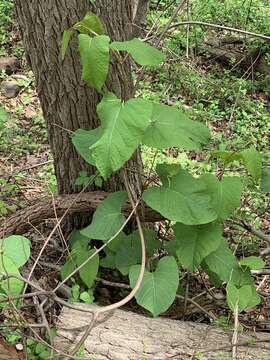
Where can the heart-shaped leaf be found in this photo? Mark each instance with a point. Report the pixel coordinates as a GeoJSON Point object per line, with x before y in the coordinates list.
{"type": "Point", "coordinates": [182, 198]}
{"type": "Point", "coordinates": [158, 289]}
{"type": "Point", "coordinates": [107, 219]}
{"type": "Point", "coordinates": [225, 194]}
{"type": "Point", "coordinates": [196, 242]}
{"type": "Point", "coordinates": [170, 127]}
{"type": "Point", "coordinates": [123, 126]}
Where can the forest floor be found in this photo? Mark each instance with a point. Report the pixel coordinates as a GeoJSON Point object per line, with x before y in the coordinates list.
{"type": "Point", "coordinates": [233, 101]}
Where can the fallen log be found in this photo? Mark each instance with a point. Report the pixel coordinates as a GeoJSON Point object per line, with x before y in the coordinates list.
{"type": "Point", "coordinates": [233, 51]}
{"type": "Point", "coordinates": [123, 335]}
{"type": "Point", "coordinates": [23, 220]}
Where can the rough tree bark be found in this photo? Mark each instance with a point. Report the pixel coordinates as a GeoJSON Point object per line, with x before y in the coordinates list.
{"type": "Point", "coordinates": [127, 336]}
{"type": "Point", "coordinates": [67, 103]}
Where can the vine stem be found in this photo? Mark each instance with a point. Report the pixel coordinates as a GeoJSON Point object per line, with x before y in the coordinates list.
{"type": "Point", "coordinates": [216, 26]}
{"type": "Point", "coordinates": [138, 283]}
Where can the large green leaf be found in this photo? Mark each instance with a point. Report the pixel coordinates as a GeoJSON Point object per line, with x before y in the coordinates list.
{"type": "Point", "coordinates": [11, 286]}
{"type": "Point", "coordinates": [181, 198]}
{"type": "Point", "coordinates": [253, 162]}
{"type": "Point", "coordinates": [170, 127]}
{"type": "Point", "coordinates": [17, 248]}
{"type": "Point", "coordinates": [123, 126]}
{"type": "Point", "coordinates": [158, 289]}
{"type": "Point", "coordinates": [91, 24]}
{"type": "Point", "coordinates": [107, 219]}
{"type": "Point", "coordinates": [266, 179]}
{"type": "Point", "coordinates": [95, 57]}
{"type": "Point", "coordinates": [83, 140]}
{"type": "Point", "coordinates": [196, 242]}
{"type": "Point", "coordinates": [142, 53]}
{"type": "Point", "coordinates": [225, 194]}
{"type": "Point", "coordinates": [222, 262]}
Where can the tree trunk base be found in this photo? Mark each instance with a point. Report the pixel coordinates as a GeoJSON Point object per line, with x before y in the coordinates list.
{"type": "Point", "coordinates": [123, 335]}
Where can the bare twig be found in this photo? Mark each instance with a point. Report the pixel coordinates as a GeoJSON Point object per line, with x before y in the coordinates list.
{"type": "Point", "coordinates": [178, 9]}
{"type": "Point", "coordinates": [235, 331]}
{"type": "Point", "coordinates": [216, 26]}
{"type": "Point", "coordinates": [139, 280]}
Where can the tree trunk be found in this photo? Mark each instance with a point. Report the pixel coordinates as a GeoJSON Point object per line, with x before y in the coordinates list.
{"type": "Point", "coordinates": [67, 103]}
{"type": "Point", "coordinates": [123, 335]}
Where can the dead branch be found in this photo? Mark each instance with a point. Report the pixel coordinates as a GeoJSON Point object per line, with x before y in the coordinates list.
{"type": "Point", "coordinates": [23, 220]}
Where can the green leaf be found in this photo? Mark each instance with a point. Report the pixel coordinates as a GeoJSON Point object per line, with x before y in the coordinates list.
{"type": "Point", "coordinates": [77, 241]}
{"type": "Point", "coordinates": [182, 198]}
{"type": "Point", "coordinates": [75, 291]}
{"type": "Point", "coordinates": [222, 262]}
{"type": "Point", "coordinates": [129, 254]}
{"type": "Point", "coordinates": [244, 297]}
{"type": "Point", "coordinates": [250, 157]}
{"type": "Point", "coordinates": [91, 24]}
{"type": "Point", "coordinates": [11, 286]}
{"type": "Point", "coordinates": [107, 219]}
{"type": "Point", "coordinates": [83, 140]}
{"type": "Point", "coordinates": [95, 57]}
{"type": "Point", "coordinates": [86, 297]}
{"type": "Point", "coordinates": [129, 249]}
{"type": "Point", "coordinates": [65, 42]}
{"type": "Point", "coordinates": [88, 272]}
{"type": "Point", "coordinates": [252, 262]}
{"type": "Point", "coordinates": [170, 127]}
{"type": "Point", "coordinates": [142, 53]}
{"type": "Point", "coordinates": [123, 126]}
{"type": "Point", "coordinates": [159, 288]}
{"type": "Point", "coordinates": [109, 260]}
{"type": "Point", "coordinates": [226, 194]}
{"type": "Point", "coordinates": [196, 242]}
{"type": "Point", "coordinates": [265, 184]}
{"type": "Point", "coordinates": [17, 248]}
{"type": "Point", "coordinates": [68, 267]}
{"type": "Point", "coordinates": [253, 162]}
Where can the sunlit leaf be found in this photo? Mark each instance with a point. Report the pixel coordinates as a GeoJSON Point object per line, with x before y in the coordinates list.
{"type": "Point", "coordinates": [182, 198]}
{"type": "Point", "coordinates": [123, 126]}
{"type": "Point", "coordinates": [170, 127]}
{"type": "Point", "coordinates": [16, 248]}
{"type": "Point", "coordinates": [95, 59]}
